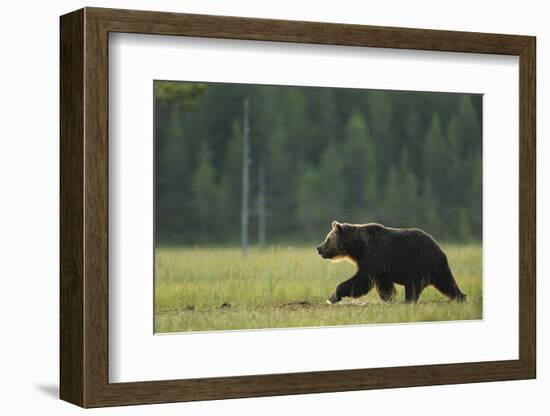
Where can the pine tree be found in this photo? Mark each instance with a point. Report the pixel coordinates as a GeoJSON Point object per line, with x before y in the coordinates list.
{"type": "Point", "coordinates": [409, 191]}
{"type": "Point", "coordinates": [469, 128]}
{"type": "Point", "coordinates": [401, 196]}
{"type": "Point", "coordinates": [172, 169]}
{"type": "Point", "coordinates": [309, 209]}
{"type": "Point", "coordinates": [230, 183]}
{"type": "Point", "coordinates": [280, 181]}
{"type": "Point", "coordinates": [331, 185]}
{"type": "Point", "coordinates": [359, 169]}
{"type": "Point", "coordinates": [204, 192]}
{"type": "Point", "coordinates": [380, 111]}
{"type": "Point", "coordinates": [435, 153]}
{"type": "Point", "coordinates": [454, 178]}
{"type": "Point", "coordinates": [475, 195]}
{"type": "Point", "coordinates": [429, 210]}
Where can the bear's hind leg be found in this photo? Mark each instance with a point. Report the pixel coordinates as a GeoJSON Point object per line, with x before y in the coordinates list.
{"type": "Point", "coordinates": [413, 290]}
{"type": "Point", "coordinates": [385, 290]}
{"type": "Point", "coordinates": [446, 284]}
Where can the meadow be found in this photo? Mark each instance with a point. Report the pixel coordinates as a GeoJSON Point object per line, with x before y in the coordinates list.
{"type": "Point", "coordinates": [217, 288]}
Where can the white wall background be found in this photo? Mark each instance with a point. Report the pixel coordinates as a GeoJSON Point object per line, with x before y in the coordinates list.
{"type": "Point", "coordinates": [29, 159]}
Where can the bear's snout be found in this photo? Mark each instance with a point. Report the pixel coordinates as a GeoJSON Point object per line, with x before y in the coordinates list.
{"type": "Point", "coordinates": [322, 251]}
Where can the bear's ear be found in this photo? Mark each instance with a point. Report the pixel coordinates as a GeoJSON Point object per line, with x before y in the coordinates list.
{"type": "Point", "coordinates": [337, 226]}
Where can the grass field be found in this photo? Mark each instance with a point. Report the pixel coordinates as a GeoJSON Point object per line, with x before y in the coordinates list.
{"type": "Point", "coordinates": [205, 289]}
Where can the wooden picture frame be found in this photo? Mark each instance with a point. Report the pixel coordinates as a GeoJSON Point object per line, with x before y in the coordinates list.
{"type": "Point", "coordinates": [84, 207]}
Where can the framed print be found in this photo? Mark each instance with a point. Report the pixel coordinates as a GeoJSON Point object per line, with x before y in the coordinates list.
{"type": "Point", "coordinates": [215, 170]}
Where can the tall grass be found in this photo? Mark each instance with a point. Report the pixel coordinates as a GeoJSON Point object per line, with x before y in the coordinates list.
{"type": "Point", "coordinates": [202, 289]}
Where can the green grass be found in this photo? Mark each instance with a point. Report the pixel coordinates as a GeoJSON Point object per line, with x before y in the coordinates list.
{"type": "Point", "coordinates": [205, 289]}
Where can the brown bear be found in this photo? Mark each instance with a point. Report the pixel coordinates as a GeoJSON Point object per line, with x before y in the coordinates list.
{"type": "Point", "coordinates": [384, 256]}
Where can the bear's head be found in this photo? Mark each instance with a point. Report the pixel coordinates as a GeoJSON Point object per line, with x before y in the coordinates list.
{"type": "Point", "coordinates": [334, 245]}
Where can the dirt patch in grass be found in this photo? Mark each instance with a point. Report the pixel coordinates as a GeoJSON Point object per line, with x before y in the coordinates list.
{"type": "Point", "coordinates": [297, 304]}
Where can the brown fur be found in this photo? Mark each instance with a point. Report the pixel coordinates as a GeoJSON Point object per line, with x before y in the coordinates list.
{"type": "Point", "coordinates": [386, 256]}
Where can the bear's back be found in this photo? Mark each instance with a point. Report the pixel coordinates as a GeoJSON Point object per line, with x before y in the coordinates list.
{"type": "Point", "coordinates": [403, 241]}
{"type": "Point", "coordinates": [402, 252]}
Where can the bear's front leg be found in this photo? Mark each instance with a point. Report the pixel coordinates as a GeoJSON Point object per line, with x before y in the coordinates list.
{"type": "Point", "coordinates": [354, 287]}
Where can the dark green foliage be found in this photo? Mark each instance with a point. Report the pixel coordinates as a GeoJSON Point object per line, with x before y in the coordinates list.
{"type": "Point", "coordinates": [177, 94]}
{"type": "Point", "coordinates": [406, 159]}
{"type": "Point", "coordinates": [205, 193]}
